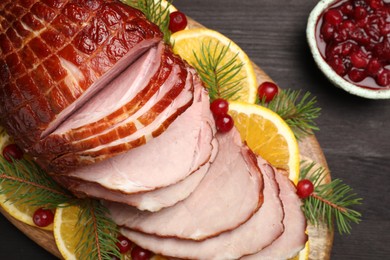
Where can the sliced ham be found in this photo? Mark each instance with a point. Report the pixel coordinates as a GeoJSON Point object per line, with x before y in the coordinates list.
{"type": "Point", "coordinates": [258, 232]}
{"type": "Point", "coordinates": [232, 184]}
{"type": "Point", "coordinates": [152, 200]}
{"type": "Point", "coordinates": [181, 150]}
{"type": "Point", "coordinates": [294, 237]}
{"type": "Point", "coordinates": [55, 55]}
{"type": "Point", "coordinates": [129, 134]}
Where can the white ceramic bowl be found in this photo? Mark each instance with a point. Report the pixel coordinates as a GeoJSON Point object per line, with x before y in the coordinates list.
{"type": "Point", "coordinates": [325, 68]}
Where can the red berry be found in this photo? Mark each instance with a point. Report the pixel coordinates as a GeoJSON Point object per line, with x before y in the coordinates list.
{"type": "Point", "coordinates": [383, 78]}
{"type": "Point", "coordinates": [305, 188]}
{"type": "Point", "coordinates": [177, 22]}
{"type": "Point", "coordinates": [43, 217]}
{"type": "Point", "coordinates": [333, 16]}
{"type": "Point", "coordinates": [267, 90]}
{"type": "Point", "coordinates": [359, 60]}
{"type": "Point", "coordinates": [219, 107]}
{"type": "Point", "coordinates": [224, 123]}
{"type": "Point", "coordinates": [123, 244]}
{"type": "Point", "coordinates": [360, 13]}
{"type": "Point", "coordinates": [347, 8]}
{"type": "Point", "coordinates": [12, 152]}
{"type": "Point", "coordinates": [357, 75]}
{"type": "Point", "coordinates": [139, 253]}
{"type": "Point", "coordinates": [373, 67]}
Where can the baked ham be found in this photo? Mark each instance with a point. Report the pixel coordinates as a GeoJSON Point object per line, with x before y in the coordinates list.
{"type": "Point", "coordinates": [152, 201]}
{"type": "Point", "coordinates": [232, 184]}
{"type": "Point", "coordinates": [55, 55]}
{"type": "Point", "coordinates": [174, 96]}
{"type": "Point", "coordinates": [90, 90]}
{"type": "Point", "coordinates": [264, 227]}
{"type": "Point", "coordinates": [149, 167]}
{"type": "Point", "coordinates": [294, 237]}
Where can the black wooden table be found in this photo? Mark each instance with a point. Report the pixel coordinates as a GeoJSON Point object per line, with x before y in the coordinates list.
{"type": "Point", "coordinates": [354, 135]}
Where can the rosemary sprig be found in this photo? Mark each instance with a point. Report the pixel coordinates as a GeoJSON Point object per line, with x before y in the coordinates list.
{"type": "Point", "coordinates": [154, 12]}
{"type": "Point", "coordinates": [25, 182]}
{"type": "Point", "coordinates": [98, 232]}
{"type": "Point", "coordinates": [298, 111]}
{"type": "Point", "coordinates": [217, 73]}
{"type": "Point", "coordinates": [330, 202]}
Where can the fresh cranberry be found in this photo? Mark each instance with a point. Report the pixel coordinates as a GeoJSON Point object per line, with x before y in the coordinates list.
{"type": "Point", "coordinates": [123, 244]}
{"type": "Point", "coordinates": [43, 217]}
{"type": "Point", "coordinates": [333, 16]}
{"type": "Point", "coordinates": [305, 188]}
{"type": "Point", "coordinates": [12, 152]}
{"type": "Point", "coordinates": [177, 22]}
{"type": "Point", "coordinates": [138, 253]}
{"type": "Point", "coordinates": [224, 123]}
{"type": "Point", "coordinates": [267, 90]}
{"type": "Point", "coordinates": [219, 107]}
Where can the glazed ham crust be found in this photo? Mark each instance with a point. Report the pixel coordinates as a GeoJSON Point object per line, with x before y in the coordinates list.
{"type": "Point", "coordinates": [55, 54]}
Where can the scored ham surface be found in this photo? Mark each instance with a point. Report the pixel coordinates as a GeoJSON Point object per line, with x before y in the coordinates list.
{"type": "Point", "coordinates": [55, 55]}
{"type": "Point", "coordinates": [163, 161]}
{"type": "Point", "coordinates": [232, 184]}
{"type": "Point", "coordinates": [264, 227]}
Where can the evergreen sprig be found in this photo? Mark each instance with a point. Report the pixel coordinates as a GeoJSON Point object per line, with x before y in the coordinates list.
{"type": "Point", "coordinates": [155, 12]}
{"type": "Point", "coordinates": [218, 73]}
{"type": "Point", "coordinates": [98, 232]}
{"type": "Point", "coordinates": [298, 111]}
{"type": "Point", "coordinates": [330, 202]}
{"type": "Point", "coordinates": [25, 182]}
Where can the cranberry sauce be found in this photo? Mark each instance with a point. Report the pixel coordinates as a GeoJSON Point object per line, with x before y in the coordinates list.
{"type": "Point", "coordinates": [353, 36]}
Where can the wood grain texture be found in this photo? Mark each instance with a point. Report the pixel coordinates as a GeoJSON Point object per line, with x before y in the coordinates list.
{"type": "Point", "coordinates": [354, 136]}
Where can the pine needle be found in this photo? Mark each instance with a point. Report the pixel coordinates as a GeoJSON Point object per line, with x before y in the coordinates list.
{"type": "Point", "coordinates": [98, 232]}
{"type": "Point", "coordinates": [25, 182]}
{"type": "Point", "coordinates": [218, 74]}
{"type": "Point", "coordinates": [298, 111]}
{"type": "Point", "coordinates": [330, 202]}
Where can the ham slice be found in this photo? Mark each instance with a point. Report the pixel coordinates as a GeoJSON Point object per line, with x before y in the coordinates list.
{"type": "Point", "coordinates": [131, 90]}
{"type": "Point", "coordinates": [294, 237]}
{"type": "Point", "coordinates": [187, 140]}
{"type": "Point", "coordinates": [151, 201]}
{"type": "Point", "coordinates": [175, 97]}
{"type": "Point", "coordinates": [232, 184]}
{"type": "Point", "coordinates": [56, 55]}
{"type": "Point", "coordinates": [258, 232]}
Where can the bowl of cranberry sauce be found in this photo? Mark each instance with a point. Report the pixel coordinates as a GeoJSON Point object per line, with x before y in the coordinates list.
{"type": "Point", "coordinates": [350, 42]}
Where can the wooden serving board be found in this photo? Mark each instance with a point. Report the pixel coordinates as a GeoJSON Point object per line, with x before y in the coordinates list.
{"type": "Point", "coordinates": [320, 238]}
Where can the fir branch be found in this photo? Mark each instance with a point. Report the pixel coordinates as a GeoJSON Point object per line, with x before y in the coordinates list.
{"type": "Point", "coordinates": [25, 182]}
{"type": "Point", "coordinates": [97, 232]}
{"type": "Point", "coordinates": [217, 73]}
{"type": "Point", "coordinates": [298, 111]}
{"type": "Point", "coordinates": [154, 12]}
{"type": "Point", "coordinates": [330, 202]}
